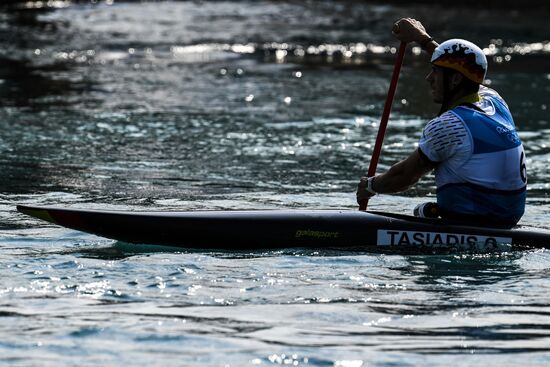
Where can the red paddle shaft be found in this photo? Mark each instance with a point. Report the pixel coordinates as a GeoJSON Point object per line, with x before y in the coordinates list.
{"type": "Point", "coordinates": [385, 118]}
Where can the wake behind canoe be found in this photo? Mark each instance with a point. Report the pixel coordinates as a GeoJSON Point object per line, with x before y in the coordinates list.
{"type": "Point", "coordinates": [269, 229]}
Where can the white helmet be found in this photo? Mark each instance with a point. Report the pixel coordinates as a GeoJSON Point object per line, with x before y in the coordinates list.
{"type": "Point", "coordinates": [462, 56]}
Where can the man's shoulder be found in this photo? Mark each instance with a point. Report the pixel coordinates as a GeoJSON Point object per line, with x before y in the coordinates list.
{"type": "Point", "coordinates": [447, 119]}
{"type": "Point", "coordinates": [488, 93]}
{"type": "Point", "coordinates": [444, 137]}
{"type": "Point", "coordinates": [445, 129]}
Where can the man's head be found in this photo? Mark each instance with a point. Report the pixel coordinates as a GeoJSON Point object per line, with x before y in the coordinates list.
{"type": "Point", "coordinates": [458, 68]}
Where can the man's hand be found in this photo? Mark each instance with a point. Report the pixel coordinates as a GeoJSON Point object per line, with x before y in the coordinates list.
{"type": "Point", "coordinates": [362, 193]}
{"type": "Point", "coordinates": [410, 30]}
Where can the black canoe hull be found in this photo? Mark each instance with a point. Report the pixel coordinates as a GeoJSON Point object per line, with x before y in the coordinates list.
{"type": "Point", "coordinates": [269, 229]}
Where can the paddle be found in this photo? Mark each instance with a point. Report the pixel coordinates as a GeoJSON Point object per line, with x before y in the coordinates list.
{"type": "Point", "coordinates": [385, 117]}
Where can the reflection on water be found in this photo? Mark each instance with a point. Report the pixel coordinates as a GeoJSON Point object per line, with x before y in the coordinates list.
{"type": "Point", "coordinates": [243, 105]}
{"type": "Point", "coordinates": [315, 307]}
{"type": "Point", "coordinates": [206, 98]}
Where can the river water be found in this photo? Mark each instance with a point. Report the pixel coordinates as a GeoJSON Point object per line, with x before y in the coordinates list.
{"type": "Point", "coordinates": [238, 105]}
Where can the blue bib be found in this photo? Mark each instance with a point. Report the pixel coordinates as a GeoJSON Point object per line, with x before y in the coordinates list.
{"type": "Point", "coordinates": [494, 177]}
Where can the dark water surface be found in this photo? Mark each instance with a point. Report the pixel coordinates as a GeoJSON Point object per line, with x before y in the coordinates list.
{"type": "Point", "coordinates": [238, 105]}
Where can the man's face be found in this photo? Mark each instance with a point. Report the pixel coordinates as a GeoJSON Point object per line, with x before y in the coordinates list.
{"type": "Point", "coordinates": [435, 79]}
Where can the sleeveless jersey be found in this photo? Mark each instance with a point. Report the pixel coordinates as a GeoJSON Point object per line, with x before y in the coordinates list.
{"type": "Point", "coordinates": [481, 162]}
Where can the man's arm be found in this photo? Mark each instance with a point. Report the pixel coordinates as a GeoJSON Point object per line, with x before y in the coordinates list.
{"type": "Point", "coordinates": [399, 177]}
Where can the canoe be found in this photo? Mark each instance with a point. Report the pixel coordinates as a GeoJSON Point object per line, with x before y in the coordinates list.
{"type": "Point", "coordinates": [271, 229]}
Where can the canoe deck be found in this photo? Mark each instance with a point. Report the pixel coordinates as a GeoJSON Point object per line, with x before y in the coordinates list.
{"type": "Point", "coordinates": [270, 229]}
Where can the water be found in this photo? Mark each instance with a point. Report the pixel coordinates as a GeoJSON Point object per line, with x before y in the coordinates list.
{"type": "Point", "coordinates": [238, 105]}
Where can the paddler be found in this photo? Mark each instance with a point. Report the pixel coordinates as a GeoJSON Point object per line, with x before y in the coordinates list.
{"type": "Point", "coordinates": [472, 144]}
